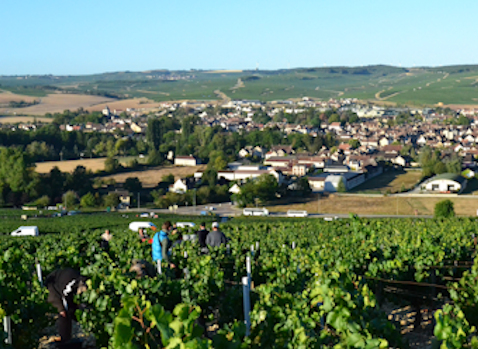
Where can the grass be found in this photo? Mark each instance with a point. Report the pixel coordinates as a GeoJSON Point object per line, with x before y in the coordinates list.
{"type": "Point", "coordinates": [379, 205]}
{"type": "Point", "coordinates": [390, 181]}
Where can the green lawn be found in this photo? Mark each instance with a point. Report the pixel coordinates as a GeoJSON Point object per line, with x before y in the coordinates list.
{"type": "Point", "coordinates": [390, 181]}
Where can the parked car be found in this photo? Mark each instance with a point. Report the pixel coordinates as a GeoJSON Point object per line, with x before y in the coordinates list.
{"type": "Point", "coordinates": [294, 213]}
{"type": "Point", "coordinates": [26, 231]}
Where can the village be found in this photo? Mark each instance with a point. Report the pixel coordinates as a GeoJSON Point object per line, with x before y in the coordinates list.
{"type": "Point", "coordinates": [364, 150]}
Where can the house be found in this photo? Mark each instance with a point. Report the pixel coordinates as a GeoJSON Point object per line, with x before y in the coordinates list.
{"type": "Point", "coordinates": [384, 141]}
{"type": "Point", "coordinates": [124, 197]}
{"type": "Point", "coordinates": [299, 170]}
{"type": "Point", "coordinates": [186, 161]}
{"type": "Point", "coordinates": [316, 183]}
{"type": "Point", "coordinates": [445, 183]}
{"type": "Point", "coordinates": [182, 185]}
{"type": "Point", "coordinates": [242, 175]}
{"type": "Point", "coordinates": [235, 189]}
{"type": "Point", "coordinates": [400, 160]}
{"type": "Point", "coordinates": [280, 150]}
{"type": "Point", "coordinates": [329, 182]}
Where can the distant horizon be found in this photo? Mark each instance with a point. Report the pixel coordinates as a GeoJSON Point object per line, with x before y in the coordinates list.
{"type": "Point", "coordinates": [237, 70]}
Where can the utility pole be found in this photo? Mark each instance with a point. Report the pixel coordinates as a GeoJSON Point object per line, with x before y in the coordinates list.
{"type": "Point", "coordinates": [194, 202]}
{"type": "Point", "coordinates": [397, 204]}
{"type": "Point", "coordinates": [138, 201]}
{"type": "Point", "coordinates": [318, 203]}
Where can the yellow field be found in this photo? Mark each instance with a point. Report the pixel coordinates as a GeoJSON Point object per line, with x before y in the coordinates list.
{"type": "Point", "coordinates": [53, 103]}
{"type": "Point", "coordinates": [137, 103]}
{"type": "Point", "coordinates": [379, 205]}
{"type": "Point", "coordinates": [151, 177]}
{"type": "Point", "coordinates": [94, 165]}
{"type": "Point", "coordinates": [23, 119]}
{"type": "Point", "coordinates": [6, 97]}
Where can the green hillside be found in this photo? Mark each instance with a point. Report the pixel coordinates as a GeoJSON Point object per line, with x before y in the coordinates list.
{"type": "Point", "coordinates": [415, 86]}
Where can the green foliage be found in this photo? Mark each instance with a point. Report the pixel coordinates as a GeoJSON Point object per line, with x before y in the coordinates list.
{"type": "Point", "coordinates": [444, 209]}
{"type": "Point", "coordinates": [111, 164]}
{"type": "Point", "coordinates": [341, 188]}
{"type": "Point", "coordinates": [70, 199]}
{"type": "Point", "coordinates": [88, 200]}
{"type": "Point", "coordinates": [318, 295]}
{"type": "Point", "coordinates": [42, 201]}
{"type": "Point", "coordinates": [132, 184]}
{"type": "Point", "coordinates": [140, 324]}
{"type": "Point", "coordinates": [354, 143]}
{"type": "Point", "coordinates": [111, 200]}
{"type": "Point", "coordinates": [263, 188]}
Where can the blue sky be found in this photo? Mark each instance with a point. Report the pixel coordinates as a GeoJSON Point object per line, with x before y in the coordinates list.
{"type": "Point", "coordinates": [84, 37]}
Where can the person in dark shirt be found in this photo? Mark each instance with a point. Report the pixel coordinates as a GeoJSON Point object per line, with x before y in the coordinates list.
{"type": "Point", "coordinates": [62, 285]}
{"type": "Point", "coordinates": [202, 234]}
{"type": "Point", "coordinates": [216, 237]}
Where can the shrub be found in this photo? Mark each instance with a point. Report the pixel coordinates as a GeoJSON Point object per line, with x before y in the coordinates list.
{"type": "Point", "coordinates": [88, 200]}
{"type": "Point", "coordinates": [42, 201]}
{"type": "Point", "coordinates": [444, 209]}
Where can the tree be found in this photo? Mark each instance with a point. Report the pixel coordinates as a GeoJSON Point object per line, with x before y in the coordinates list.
{"type": "Point", "coordinates": [341, 188]}
{"type": "Point", "coordinates": [42, 201]}
{"type": "Point", "coordinates": [154, 133]}
{"type": "Point", "coordinates": [439, 167]}
{"type": "Point", "coordinates": [304, 186]}
{"type": "Point", "coordinates": [111, 164]}
{"type": "Point", "coordinates": [133, 184]}
{"type": "Point", "coordinates": [111, 200]}
{"type": "Point", "coordinates": [88, 200]}
{"type": "Point", "coordinates": [70, 199]}
{"type": "Point", "coordinates": [354, 143]}
{"type": "Point", "coordinates": [80, 180]}
{"type": "Point", "coordinates": [444, 209]}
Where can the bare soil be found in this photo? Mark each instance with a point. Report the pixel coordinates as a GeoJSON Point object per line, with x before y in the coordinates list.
{"type": "Point", "coordinates": [54, 103]}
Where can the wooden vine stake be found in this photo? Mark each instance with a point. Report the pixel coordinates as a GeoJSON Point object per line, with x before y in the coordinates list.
{"type": "Point", "coordinates": [247, 303]}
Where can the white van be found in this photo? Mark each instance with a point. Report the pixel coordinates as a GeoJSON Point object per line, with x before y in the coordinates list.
{"type": "Point", "coordinates": [135, 226]}
{"type": "Point", "coordinates": [293, 213]}
{"type": "Point", "coordinates": [26, 231]}
{"type": "Point", "coordinates": [255, 212]}
{"type": "Point", "coordinates": [185, 224]}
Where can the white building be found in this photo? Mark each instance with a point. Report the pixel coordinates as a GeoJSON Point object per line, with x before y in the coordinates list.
{"type": "Point", "coordinates": [185, 161]}
{"type": "Point", "coordinates": [242, 175]}
{"type": "Point", "coordinates": [445, 183]}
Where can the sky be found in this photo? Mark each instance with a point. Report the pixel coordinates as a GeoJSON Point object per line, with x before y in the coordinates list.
{"type": "Point", "coordinates": [85, 37]}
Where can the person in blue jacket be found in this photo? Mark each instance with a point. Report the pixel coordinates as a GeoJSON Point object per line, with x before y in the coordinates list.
{"type": "Point", "coordinates": [161, 244]}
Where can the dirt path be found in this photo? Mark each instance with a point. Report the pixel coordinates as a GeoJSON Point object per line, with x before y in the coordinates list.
{"type": "Point", "coordinates": [222, 95]}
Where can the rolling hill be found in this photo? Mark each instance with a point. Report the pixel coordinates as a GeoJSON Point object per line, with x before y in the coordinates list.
{"type": "Point", "coordinates": [457, 85]}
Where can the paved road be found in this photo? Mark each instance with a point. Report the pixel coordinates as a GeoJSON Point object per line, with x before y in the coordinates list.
{"type": "Point", "coordinates": [226, 209]}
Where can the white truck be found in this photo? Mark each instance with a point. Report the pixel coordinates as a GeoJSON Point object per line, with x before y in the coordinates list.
{"type": "Point", "coordinates": [255, 212]}
{"type": "Point", "coordinates": [26, 231]}
{"type": "Point", "coordinates": [135, 226]}
{"type": "Point", "coordinates": [296, 213]}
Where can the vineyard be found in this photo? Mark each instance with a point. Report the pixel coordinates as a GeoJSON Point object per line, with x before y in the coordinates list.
{"type": "Point", "coordinates": [311, 283]}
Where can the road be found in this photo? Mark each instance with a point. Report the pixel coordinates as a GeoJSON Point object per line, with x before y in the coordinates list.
{"type": "Point", "coordinates": [226, 209]}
